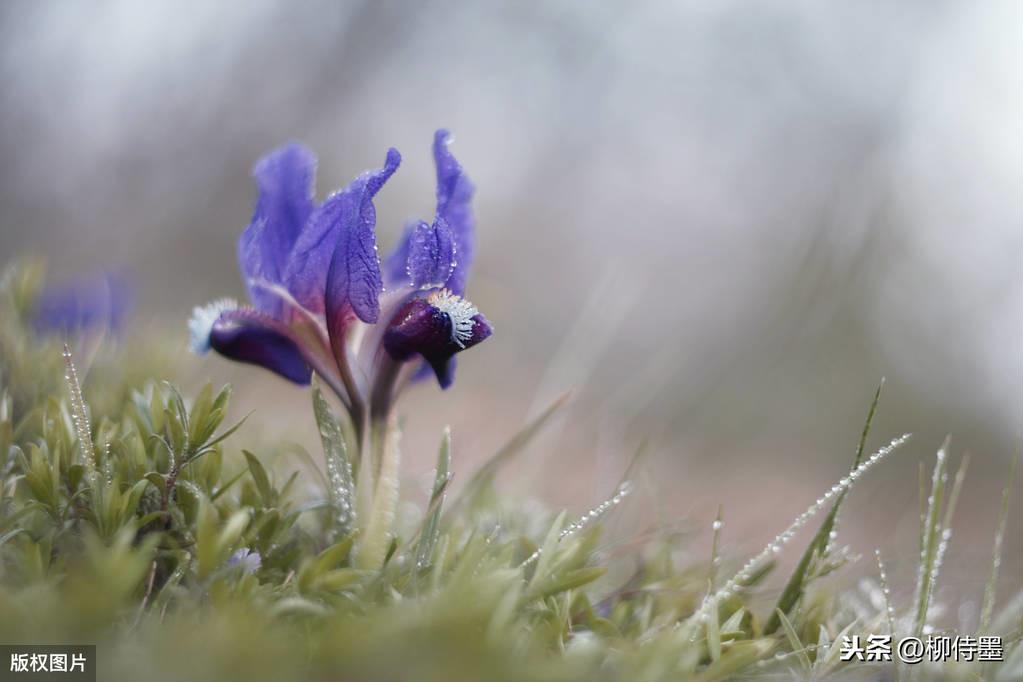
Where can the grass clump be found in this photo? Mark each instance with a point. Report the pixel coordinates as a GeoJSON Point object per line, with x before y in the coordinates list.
{"type": "Point", "coordinates": [129, 519]}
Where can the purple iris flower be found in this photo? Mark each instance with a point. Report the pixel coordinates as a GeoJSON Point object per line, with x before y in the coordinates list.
{"type": "Point", "coordinates": [320, 300]}
{"type": "Point", "coordinates": [93, 305]}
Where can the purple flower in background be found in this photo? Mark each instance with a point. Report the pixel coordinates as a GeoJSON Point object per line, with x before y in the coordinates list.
{"type": "Point", "coordinates": [320, 301]}
{"type": "Point", "coordinates": [248, 560]}
{"type": "Point", "coordinates": [98, 304]}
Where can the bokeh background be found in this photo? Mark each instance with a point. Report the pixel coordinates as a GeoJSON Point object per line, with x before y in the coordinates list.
{"type": "Point", "coordinates": [719, 223]}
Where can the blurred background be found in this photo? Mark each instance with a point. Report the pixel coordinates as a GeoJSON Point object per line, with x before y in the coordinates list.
{"type": "Point", "coordinates": [719, 223]}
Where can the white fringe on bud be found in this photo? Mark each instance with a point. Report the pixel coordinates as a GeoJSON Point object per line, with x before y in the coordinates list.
{"type": "Point", "coordinates": [200, 326]}
{"type": "Point", "coordinates": [459, 310]}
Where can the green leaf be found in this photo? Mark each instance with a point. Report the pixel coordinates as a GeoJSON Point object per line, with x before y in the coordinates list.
{"type": "Point", "coordinates": [738, 657]}
{"type": "Point", "coordinates": [569, 581]}
{"type": "Point", "coordinates": [261, 478]}
{"type": "Point", "coordinates": [228, 484]}
{"type": "Point", "coordinates": [930, 531]}
{"type": "Point", "coordinates": [428, 533]}
{"type": "Point", "coordinates": [338, 579]}
{"type": "Point", "coordinates": [713, 634]}
{"type": "Point", "coordinates": [328, 561]}
{"type": "Point", "coordinates": [130, 503]}
{"type": "Point", "coordinates": [734, 623]}
{"type": "Point", "coordinates": [340, 479]}
{"type": "Point", "coordinates": [176, 433]}
{"type": "Point", "coordinates": [158, 480]}
{"type": "Point", "coordinates": [335, 554]}
{"type": "Point", "coordinates": [197, 418]}
{"type": "Point", "coordinates": [544, 555]}
{"type": "Point", "coordinates": [147, 519]}
{"type": "Point", "coordinates": [797, 646]}
{"type": "Point", "coordinates": [991, 587]}
{"type": "Point", "coordinates": [224, 435]}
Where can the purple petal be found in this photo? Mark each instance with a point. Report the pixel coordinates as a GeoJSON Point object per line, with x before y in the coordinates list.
{"type": "Point", "coordinates": [247, 335]}
{"type": "Point", "coordinates": [285, 178]}
{"type": "Point", "coordinates": [396, 263]}
{"type": "Point", "coordinates": [431, 256]}
{"type": "Point", "coordinates": [354, 282]}
{"type": "Point", "coordinates": [444, 369]}
{"type": "Point", "coordinates": [422, 328]}
{"type": "Point", "coordinates": [249, 560]}
{"type": "Point", "coordinates": [454, 205]}
{"type": "Point", "coordinates": [341, 231]}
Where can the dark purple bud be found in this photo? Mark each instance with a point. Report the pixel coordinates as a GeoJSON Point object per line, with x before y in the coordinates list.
{"type": "Point", "coordinates": [436, 327]}
{"type": "Point", "coordinates": [247, 335]}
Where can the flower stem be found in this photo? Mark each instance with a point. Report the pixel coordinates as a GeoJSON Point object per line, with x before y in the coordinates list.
{"type": "Point", "coordinates": [378, 509]}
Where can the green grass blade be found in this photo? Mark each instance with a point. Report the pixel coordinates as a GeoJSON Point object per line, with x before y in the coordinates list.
{"type": "Point", "coordinates": [991, 588]}
{"type": "Point", "coordinates": [886, 593]}
{"type": "Point", "coordinates": [715, 557]}
{"type": "Point", "coordinates": [569, 581]}
{"type": "Point", "coordinates": [429, 532]}
{"type": "Point", "coordinates": [797, 646]}
{"type": "Point", "coordinates": [757, 563]}
{"type": "Point", "coordinates": [713, 635]}
{"type": "Point", "coordinates": [820, 543]}
{"type": "Point", "coordinates": [544, 555]}
{"type": "Point", "coordinates": [930, 540]}
{"type": "Point", "coordinates": [80, 416]}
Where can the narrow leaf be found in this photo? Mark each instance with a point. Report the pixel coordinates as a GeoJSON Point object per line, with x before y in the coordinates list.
{"type": "Point", "coordinates": [428, 534]}
{"type": "Point", "coordinates": [80, 416]}
{"type": "Point", "coordinates": [260, 477]}
{"type": "Point", "coordinates": [930, 531]}
{"type": "Point", "coordinates": [996, 560]}
{"type": "Point", "coordinates": [569, 581]}
{"type": "Point", "coordinates": [796, 584]}
{"type": "Point", "coordinates": [340, 481]}
{"type": "Point", "coordinates": [797, 646]}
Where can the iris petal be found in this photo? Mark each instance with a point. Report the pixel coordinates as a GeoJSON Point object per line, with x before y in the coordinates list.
{"type": "Point", "coordinates": [353, 281]}
{"type": "Point", "coordinates": [341, 230]}
{"type": "Point", "coordinates": [285, 178]}
{"type": "Point", "coordinates": [424, 258]}
{"type": "Point", "coordinates": [431, 256]}
{"type": "Point", "coordinates": [247, 335]}
{"type": "Point", "coordinates": [454, 206]}
{"type": "Point", "coordinates": [396, 263]}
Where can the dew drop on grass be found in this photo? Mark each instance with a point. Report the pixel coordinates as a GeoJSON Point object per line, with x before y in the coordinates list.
{"type": "Point", "coordinates": [750, 567]}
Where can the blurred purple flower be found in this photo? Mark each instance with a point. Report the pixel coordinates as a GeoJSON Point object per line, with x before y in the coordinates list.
{"type": "Point", "coordinates": [248, 560]}
{"type": "Point", "coordinates": [98, 304]}
{"type": "Point", "coordinates": [320, 301]}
